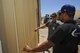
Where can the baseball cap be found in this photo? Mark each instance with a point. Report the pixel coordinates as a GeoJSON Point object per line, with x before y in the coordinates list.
{"type": "Point", "coordinates": [70, 9]}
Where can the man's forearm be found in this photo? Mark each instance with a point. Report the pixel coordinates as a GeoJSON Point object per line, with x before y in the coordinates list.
{"type": "Point", "coordinates": [42, 47]}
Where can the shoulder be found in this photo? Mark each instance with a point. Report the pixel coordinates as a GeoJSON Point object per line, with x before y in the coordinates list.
{"type": "Point", "coordinates": [65, 26]}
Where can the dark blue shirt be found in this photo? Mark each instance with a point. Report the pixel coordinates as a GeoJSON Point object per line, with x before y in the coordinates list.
{"type": "Point", "coordinates": [64, 38]}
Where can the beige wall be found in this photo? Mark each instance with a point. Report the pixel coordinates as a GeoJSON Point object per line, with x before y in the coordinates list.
{"type": "Point", "coordinates": [18, 19]}
{"type": "Point", "coordinates": [77, 14]}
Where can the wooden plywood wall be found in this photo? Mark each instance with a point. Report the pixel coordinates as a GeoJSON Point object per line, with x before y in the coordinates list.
{"type": "Point", "coordinates": [18, 20]}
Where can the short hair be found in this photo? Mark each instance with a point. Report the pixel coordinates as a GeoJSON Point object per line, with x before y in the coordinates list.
{"type": "Point", "coordinates": [53, 14]}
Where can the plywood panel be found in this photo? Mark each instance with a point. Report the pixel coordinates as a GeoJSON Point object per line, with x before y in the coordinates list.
{"type": "Point", "coordinates": [26, 19]}
{"type": "Point", "coordinates": [2, 29]}
{"type": "Point", "coordinates": [18, 19]}
{"type": "Point", "coordinates": [9, 24]}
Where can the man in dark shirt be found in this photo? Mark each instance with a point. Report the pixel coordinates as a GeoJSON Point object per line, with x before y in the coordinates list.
{"type": "Point", "coordinates": [65, 37]}
{"type": "Point", "coordinates": [51, 23]}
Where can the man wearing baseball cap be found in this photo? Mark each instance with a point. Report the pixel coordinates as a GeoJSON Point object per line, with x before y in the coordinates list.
{"type": "Point", "coordinates": [65, 38]}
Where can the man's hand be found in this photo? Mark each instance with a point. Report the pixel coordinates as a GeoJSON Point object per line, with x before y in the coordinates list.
{"type": "Point", "coordinates": [36, 29]}
{"type": "Point", "coordinates": [27, 49]}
